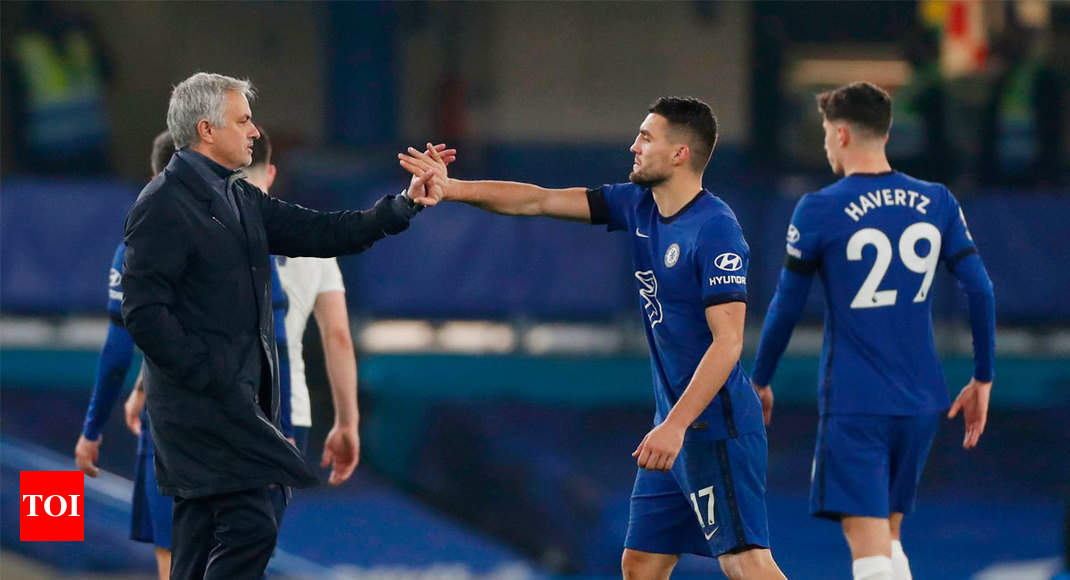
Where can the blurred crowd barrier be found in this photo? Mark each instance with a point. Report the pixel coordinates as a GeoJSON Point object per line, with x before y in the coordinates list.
{"type": "Point", "coordinates": [57, 238]}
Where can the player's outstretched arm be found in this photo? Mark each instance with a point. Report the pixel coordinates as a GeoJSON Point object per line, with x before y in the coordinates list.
{"type": "Point", "coordinates": [504, 197]}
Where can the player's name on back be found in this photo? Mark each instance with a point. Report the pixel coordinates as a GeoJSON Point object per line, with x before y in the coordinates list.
{"type": "Point", "coordinates": [886, 198]}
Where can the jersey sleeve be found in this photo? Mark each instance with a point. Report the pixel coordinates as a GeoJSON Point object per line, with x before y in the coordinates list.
{"type": "Point", "coordinates": [957, 241]}
{"type": "Point", "coordinates": [722, 257]}
{"type": "Point", "coordinates": [330, 277]}
{"type": "Point", "coordinates": [804, 238]}
{"type": "Point", "coordinates": [612, 204]}
{"type": "Point", "coordinates": [115, 286]}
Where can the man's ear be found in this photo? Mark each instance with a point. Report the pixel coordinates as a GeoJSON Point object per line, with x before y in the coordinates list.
{"type": "Point", "coordinates": [204, 131]}
{"type": "Point", "coordinates": [270, 175]}
{"type": "Point", "coordinates": [681, 155]}
{"type": "Point", "coordinates": [843, 135]}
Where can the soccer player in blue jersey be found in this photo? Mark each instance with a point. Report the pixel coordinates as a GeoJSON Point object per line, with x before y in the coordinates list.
{"type": "Point", "coordinates": [151, 511]}
{"type": "Point", "coordinates": [876, 238]}
{"type": "Point", "coordinates": [705, 457]}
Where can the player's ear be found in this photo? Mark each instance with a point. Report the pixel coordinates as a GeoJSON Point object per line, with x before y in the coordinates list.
{"type": "Point", "coordinates": [681, 155]}
{"type": "Point", "coordinates": [843, 134]}
{"type": "Point", "coordinates": [270, 175]}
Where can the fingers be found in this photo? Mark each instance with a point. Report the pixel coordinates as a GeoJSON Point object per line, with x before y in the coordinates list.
{"type": "Point", "coordinates": [342, 470]}
{"type": "Point", "coordinates": [644, 457]}
{"type": "Point", "coordinates": [327, 456]}
{"type": "Point", "coordinates": [420, 155]}
{"type": "Point", "coordinates": [412, 164]}
{"type": "Point", "coordinates": [434, 152]}
{"type": "Point", "coordinates": [423, 178]}
{"type": "Point", "coordinates": [86, 465]}
{"type": "Point", "coordinates": [955, 407]}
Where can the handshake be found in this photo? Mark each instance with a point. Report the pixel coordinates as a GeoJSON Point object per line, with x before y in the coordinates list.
{"type": "Point", "coordinates": [430, 182]}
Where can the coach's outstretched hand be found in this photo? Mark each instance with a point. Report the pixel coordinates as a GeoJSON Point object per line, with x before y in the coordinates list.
{"type": "Point", "coordinates": [342, 448]}
{"type": "Point", "coordinates": [419, 163]}
{"type": "Point", "coordinates": [973, 401]}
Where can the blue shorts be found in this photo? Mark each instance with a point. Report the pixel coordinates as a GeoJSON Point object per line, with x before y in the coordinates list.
{"type": "Point", "coordinates": [711, 503]}
{"type": "Point", "coordinates": [151, 514]}
{"type": "Point", "coordinates": [869, 465]}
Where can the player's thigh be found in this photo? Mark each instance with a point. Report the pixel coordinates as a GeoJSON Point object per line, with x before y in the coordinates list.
{"type": "Point", "coordinates": [661, 519]}
{"type": "Point", "coordinates": [724, 482]}
{"type": "Point", "coordinates": [851, 467]}
{"type": "Point", "coordinates": [911, 440]}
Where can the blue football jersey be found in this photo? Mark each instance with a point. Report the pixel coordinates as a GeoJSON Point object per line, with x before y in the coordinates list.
{"type": "Point", "coordinates": [115, 286]}
{"type": "Point", "coordinates": [876, 241]}
{"type": "Point", "coordinates": [683, 264]}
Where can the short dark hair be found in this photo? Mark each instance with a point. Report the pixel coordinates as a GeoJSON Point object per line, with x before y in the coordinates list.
{"type": "Point", "coordinates": [261, 148]}
{"type": "Point", "coordinates": [862, 104]}
{"type": "Point", "coordinates": [163, 147]}
{"type": "Point", "coordinates": [695, 117]}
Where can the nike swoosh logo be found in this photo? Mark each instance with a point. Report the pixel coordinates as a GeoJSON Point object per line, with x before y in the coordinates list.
{"type": "Point", "coordinates": [640, 234]}
{"type": "Point", "coordinates": [710, 535]}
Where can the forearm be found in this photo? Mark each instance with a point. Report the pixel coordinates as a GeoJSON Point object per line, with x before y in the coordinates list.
{"type": "Point", "coordinates": [524, 199]}
{"type": "Point", "coordinates": [983, 329]}
{"type": "Point", "coordinates": [112, 367]}
{"type": "Point", "coordinates": [341, 364]}
{"type": "Point", "coordinates": [710, 376]}
{"type": "Point", "coordinates": [294, 231]}
{"type": "Point", "coordinates": [784, 312]}
{"type": "Point", "coordinates": [974, 280]}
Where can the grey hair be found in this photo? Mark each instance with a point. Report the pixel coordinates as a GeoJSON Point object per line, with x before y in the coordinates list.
{"type": "Point", "coordinates": [201, 96]}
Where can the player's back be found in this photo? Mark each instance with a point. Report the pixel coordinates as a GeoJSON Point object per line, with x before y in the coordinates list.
{"type": "Point", "coordinates": [877, 240]}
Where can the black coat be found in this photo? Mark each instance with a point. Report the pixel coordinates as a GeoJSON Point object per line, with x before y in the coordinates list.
{"type": "Point", "coordinates": [197, 301]}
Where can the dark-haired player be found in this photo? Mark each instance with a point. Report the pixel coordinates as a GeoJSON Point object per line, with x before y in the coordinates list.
{"type": "Point", "coordinates": [705, 458]}
{"type": "Point", "coordinates": [875, 238]}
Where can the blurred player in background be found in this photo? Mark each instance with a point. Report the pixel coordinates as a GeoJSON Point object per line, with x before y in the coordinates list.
{"type": "Point", "coordinates": [706, 455]}
{"type": "Point", "coordinates": [876, 238]}
{"type": "Point", "coordinates": [151, 512]}
{"type": "Point", "coordinates": [314, 286]}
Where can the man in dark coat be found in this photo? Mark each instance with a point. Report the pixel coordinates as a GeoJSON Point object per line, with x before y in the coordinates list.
{"type": "Point", "coordinates": [197, 301]}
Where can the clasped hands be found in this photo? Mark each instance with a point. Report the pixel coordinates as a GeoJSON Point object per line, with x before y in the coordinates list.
{"type": "Point", "coordinates": [430, 180]}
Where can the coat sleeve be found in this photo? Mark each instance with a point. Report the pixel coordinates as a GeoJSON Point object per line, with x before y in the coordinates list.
{"type": "Point", "coordinates": [293, 230]}
{"type": "Point", "coordinates": [155, 261]}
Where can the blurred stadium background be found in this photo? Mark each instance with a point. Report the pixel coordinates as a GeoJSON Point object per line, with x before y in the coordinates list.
{"type": "Point", "coordinates": [503, 375]}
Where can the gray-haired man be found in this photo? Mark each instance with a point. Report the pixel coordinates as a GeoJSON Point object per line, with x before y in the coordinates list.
{"type": "Point", "coordinates": [197, 301]}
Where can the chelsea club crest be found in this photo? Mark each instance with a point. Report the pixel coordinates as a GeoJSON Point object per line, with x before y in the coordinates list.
{"type": "Point", "coordinates": [672, 255]}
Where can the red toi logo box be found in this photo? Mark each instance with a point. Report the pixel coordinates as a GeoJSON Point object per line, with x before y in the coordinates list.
{"type": "Point", "coordinates": [51, 506]}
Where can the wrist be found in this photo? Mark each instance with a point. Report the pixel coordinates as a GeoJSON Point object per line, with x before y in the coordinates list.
{"type": "Point", "coordinates": [408, 205]}
{"type": "Point", "coordinates": [343, 423]}
{"type": "Point", "coordinates": [449, 192]}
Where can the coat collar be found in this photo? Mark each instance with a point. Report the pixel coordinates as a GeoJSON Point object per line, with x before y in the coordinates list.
{"type": "Point", "coordinates": [203, 191]}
